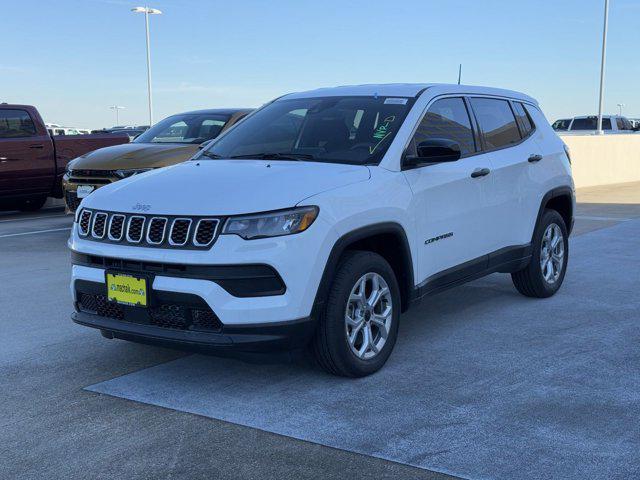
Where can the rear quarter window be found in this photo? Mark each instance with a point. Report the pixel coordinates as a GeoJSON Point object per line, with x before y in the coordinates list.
{"type": "Point", "coordinates": [524, 120]}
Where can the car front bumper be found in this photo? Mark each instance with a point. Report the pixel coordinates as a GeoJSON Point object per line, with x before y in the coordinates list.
{"type": "Point", "coordinates": [284, 336]}
{"type": "Point", "coordinates": [262, 291]}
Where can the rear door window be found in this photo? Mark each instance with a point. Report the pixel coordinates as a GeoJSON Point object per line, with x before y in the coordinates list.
{"type": "Point", "coordinates": [16, 123]}
{"type": "Point", "coordinates": [446, 118]}
{"type": "Point", "coordinates": [497, 122]}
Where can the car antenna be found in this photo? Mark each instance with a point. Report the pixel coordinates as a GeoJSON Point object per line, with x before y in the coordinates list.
{"type": "Point", "coordinates": [459, 73]}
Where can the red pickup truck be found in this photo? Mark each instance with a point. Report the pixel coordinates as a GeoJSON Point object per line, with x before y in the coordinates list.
{"type": "Point", "coordinates": [32, 162]}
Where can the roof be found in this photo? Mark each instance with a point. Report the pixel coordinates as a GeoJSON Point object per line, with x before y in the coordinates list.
{"type": "Point", "coordinates": [218, 111]}
{"type": "Point", "coordinates": [406, 90]}
{"type": "Point", "coordinates": [596, 116]}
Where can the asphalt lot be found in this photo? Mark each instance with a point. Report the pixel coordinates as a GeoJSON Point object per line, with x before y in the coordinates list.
{"type": "Point", "coordinates": [50, 427]}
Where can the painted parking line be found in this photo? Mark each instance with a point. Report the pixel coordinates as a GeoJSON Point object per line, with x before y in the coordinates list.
{"type": "Point", "coordinates": [33, 218]}
{"type": "Point", "coordinates": [35, 232]}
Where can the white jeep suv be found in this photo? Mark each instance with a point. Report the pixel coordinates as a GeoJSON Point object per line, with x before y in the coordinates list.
{"type": "Point", "coordinates": [322, 216]}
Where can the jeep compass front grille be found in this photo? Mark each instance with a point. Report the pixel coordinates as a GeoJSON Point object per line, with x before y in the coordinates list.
{"type": "Point", "coordinates": [99, 225]}
{"type": "Point", "coordinates": [148, 230]}
{"type": "Point", "coordinates": [135, 228]}
{"type": "Point", "coordinates": [180, 231]}
{"type": "Point", "coordinates": [155, 234]}
{"type": "Point", "coordinates": [116, 227]}
{"type": "Point", "coordinates": [83, 224]}
{"type": "Point", "coordinates": [205, 231]}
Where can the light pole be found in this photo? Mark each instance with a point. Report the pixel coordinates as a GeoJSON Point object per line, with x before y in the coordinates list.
{"type": "Point", "coordinates": [602, 64]}
{"type": "Point", "coordinates": [116, 108]}
{"type": "Point", "coordinates": [148, 11]}
{"type": "Point", "coordinates": [620, 105]}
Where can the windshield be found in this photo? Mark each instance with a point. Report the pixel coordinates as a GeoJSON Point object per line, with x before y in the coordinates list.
{"type": "Point", "coordinates": [354, 130]}
{"type": "Point", "coordinates": [561, 124]}
{"type": "Point", "coordinates": [189, 128]}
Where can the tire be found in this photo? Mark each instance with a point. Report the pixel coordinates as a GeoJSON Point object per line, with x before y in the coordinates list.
{"type": "Point", "coordinates": [533, 281]}
{"type": "Point", "coordinates": [331, 346]}
{"type": "Point", "coordinates": [32, 205]}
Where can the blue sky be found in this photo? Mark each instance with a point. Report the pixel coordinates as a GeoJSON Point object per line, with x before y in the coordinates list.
{"type": "Point", "coordinates": [74, 58]}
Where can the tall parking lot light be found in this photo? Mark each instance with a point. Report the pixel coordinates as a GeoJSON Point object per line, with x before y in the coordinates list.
{"type": "Point", "coordinates": [117, 108]}
{"type": "Point", "coordinates": [148, 11]}
{"type": "Point", "coordinates": [602, 64]}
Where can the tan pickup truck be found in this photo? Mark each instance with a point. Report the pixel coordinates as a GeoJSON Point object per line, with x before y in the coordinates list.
{"type": "Point", "coordinates": [170, 141]}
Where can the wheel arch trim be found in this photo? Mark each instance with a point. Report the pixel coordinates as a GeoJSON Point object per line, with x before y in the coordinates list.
{"type": "Point", "coordinates": [564, 191]}
{"type": "Point", "coordinates": [359, 234]}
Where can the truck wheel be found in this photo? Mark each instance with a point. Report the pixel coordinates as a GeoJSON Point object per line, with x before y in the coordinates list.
{"type": "Point", "coordinates": [545, 272]}
{"type": "Point", "coordinates": [358, 326]}
{"type": "Point", "coordinates": [32, 205]}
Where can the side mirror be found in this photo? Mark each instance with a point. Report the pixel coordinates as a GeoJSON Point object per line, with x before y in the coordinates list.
{"type": "Point", "coordinates": [434, 150]}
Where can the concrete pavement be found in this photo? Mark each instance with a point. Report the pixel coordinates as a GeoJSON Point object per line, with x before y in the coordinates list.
{"type": "Point", "coordinates": [50, 427]}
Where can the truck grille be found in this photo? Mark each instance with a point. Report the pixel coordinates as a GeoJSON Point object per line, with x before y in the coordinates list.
{"type": "Point", "coordinates": [72, 201]}
{"type": "Point", "coordinates": [147, 230]}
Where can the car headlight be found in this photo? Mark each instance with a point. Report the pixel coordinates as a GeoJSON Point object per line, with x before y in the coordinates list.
{"type": "Point", "coordinates": [272, 224]}
{"type": "Point", "coordinates": [68, 169]}
{"type": "Point", "coordinates": [130, 172]}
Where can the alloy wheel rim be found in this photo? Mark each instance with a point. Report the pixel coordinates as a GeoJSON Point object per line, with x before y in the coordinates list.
{"type": "Point", "coordinates": [368, 316]}
{"type": "Point", "coordinates": [552, 254]}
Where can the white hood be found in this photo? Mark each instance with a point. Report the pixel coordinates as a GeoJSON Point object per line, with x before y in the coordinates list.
{"type": "Point", "coordinates": [223, 187]}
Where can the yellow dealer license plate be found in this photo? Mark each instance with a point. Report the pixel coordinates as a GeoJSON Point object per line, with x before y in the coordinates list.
{"type": "Point", "coordinates": [127, 289]}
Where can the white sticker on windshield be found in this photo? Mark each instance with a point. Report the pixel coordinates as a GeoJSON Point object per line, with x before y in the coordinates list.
{"type": "Point", "coordinates": [395, 101]}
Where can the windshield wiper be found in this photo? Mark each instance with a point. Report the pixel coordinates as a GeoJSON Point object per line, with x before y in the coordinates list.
{"type": "Point", "coordinates": [211, 155]}
{"type": "Point", "coordinates": [278, 156]}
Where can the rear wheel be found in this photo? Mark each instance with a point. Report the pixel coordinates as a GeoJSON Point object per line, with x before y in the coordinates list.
{"type": "Point", "coordinates": [545, 273]}
{"type": "Point", "coordinates": [32, 205]}
{"type": "Point", "coordinates": [358, 327]}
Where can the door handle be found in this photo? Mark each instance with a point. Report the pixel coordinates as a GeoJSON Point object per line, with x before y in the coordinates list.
{"type": "Point", "coordinates": [534, 158]}
{"type": "Point", "coordinates": [38, 146]}
{"type": "Point", "coordinates": [480, 172]}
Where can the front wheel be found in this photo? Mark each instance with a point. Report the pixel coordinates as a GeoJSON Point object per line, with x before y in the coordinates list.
{"type": "Point", "coordinates": [545, 273]}
{"type": "Point", "coordinates": [358, 327]}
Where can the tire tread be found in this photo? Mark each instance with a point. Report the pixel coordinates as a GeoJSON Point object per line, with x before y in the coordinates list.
{"type": "Point", "coordinates": [528, 281]}
{"type": "Point", "coordinates": [321, 344]}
